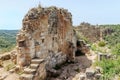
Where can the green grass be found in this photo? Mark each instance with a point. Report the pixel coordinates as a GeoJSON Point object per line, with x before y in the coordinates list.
{"type": "Point", "coordinates": [110, 68]}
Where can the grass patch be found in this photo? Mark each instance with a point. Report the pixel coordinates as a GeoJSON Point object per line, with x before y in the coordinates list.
{"type": "Point", "coordinates": [110, 68]}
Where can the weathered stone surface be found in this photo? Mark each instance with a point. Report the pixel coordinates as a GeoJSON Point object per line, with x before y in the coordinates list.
{"type": "Point", "coordinates": [90, 73]}
{"type": "Point", "coordinates": [82, 77]}
{"type": "Point", "coordinates": [13, 56]}
{"type": "Point", "coordinates": [46, 33]}
{"type": "Point", "coordinates": [37, 61]}
{"type": "Point", "coordinates": [26, 77]}
{"type": "Point", "coordinates": [102, 56]}
{"type": "Point", "coordinates": [34, 66]}
{"type": "Point", "coordinates": [98, 69]}
{"type": "Point", "coordinates": [98, 76]}
{"type": "Point", "coordinates": [12, 70]}
{"type": "Point", "coordinates": [5, 56]}
{"type": "Point", "coordinates": [41, 73]}
{"type": "Point", "coordinates": [29, 71]}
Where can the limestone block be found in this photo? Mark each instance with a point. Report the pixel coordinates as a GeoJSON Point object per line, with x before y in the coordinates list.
{"type": "Point", "coordinates": [102, 56]}
{"type": "Point", "coordinates": [41, 73]}
{"type": "Point", "coordinates": [98, 69]}
{"type": "Point", "coordinates": [82, 76]}
{"type": "Point", "coordinates": [13, 56]}
{"type": "Point", "coordinates": [90, 73]}
{"type": "Point", "coordinates": [5, 56]}
{"type": "Point", "coordinates": [98, 76]}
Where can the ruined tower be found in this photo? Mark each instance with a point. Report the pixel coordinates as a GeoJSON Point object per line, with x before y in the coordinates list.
{"type": "Point", "coordinates": [46, 33]}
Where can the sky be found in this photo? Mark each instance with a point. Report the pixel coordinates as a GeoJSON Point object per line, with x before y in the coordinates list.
{"type": "Point", "coordinates": [93, 11]}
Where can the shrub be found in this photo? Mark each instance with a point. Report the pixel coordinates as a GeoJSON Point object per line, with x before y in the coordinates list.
{"type": "Point", "coordinates": [101, 44]}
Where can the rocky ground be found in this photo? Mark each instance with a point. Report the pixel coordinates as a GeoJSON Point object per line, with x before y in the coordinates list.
{"type": "Point", "coordinates": [7, 75]}
{"type": "Point", "coordinates": [68, 71]}
{"type": "Point", "coordinates": [72, 71]}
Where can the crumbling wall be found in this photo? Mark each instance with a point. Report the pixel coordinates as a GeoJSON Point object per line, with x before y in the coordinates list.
{"type": "Point", "coordinates": [46, 33]}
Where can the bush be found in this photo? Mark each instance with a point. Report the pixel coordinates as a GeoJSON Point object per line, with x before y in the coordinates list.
{"type": "Point", "coordinates": [101, 44]}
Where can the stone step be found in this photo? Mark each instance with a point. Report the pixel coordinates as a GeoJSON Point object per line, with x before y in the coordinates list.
{"type": "Point", "coordinates": [34, 66]}
{"type": "Point", "coordinates": [29, 71]}
{"type": "Point", "coordinates": [37, 61]}
{"type": "Point", "coordinates": [26, 77]}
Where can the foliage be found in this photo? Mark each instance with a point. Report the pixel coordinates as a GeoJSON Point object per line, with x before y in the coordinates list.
{"type": "Point", "coordinates": [110, 68]}
{"type": "Point", "coordinates": [101, 44]}
{"type": "Point", "coordinates": [7, 40]}
{"type": "Point", "coordinates": [81, 37]}
{"type": "Point", "coordinates": [116, 49]}
{"type": "Point", "coordinates": [93, 47]}
{"type": "Point", "coordinates": [114, 37]}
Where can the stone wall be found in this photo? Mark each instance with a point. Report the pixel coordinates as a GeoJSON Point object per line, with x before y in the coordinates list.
{"type": "Point", "coordinates": [46, 33]}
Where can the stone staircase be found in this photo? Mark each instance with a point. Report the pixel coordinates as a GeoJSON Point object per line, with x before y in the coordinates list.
{"type": "Point", "coordinates": [31, 70]}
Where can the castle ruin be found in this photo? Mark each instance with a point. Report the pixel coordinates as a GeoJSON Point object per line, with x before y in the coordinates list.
{"type": "Point", "coordinates": [47, 34]}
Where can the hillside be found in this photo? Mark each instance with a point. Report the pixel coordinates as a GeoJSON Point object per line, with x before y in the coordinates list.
{"type": "Point", "coordinates": [112, 34]}
{"type": "Point", "coordinates": [7, 40]}
{"type": "Point", "coordinates": [107, 43]}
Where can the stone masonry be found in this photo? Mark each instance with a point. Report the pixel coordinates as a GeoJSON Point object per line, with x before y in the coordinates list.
{"type": "Point", "coordinates": [47, 34]}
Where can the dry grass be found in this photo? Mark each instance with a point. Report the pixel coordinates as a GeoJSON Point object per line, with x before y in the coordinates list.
{"type": "Point", "coordinates": [8, 65]}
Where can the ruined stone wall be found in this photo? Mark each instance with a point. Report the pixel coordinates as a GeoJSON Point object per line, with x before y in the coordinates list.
{"type": "Point", "coordinates": [46, 33]}
{"type": "Point", "coordinates": [91, 32]}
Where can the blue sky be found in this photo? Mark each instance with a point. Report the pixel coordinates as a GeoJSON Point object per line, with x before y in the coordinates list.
{"type": "Point", "coordinates": [92, 11]}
